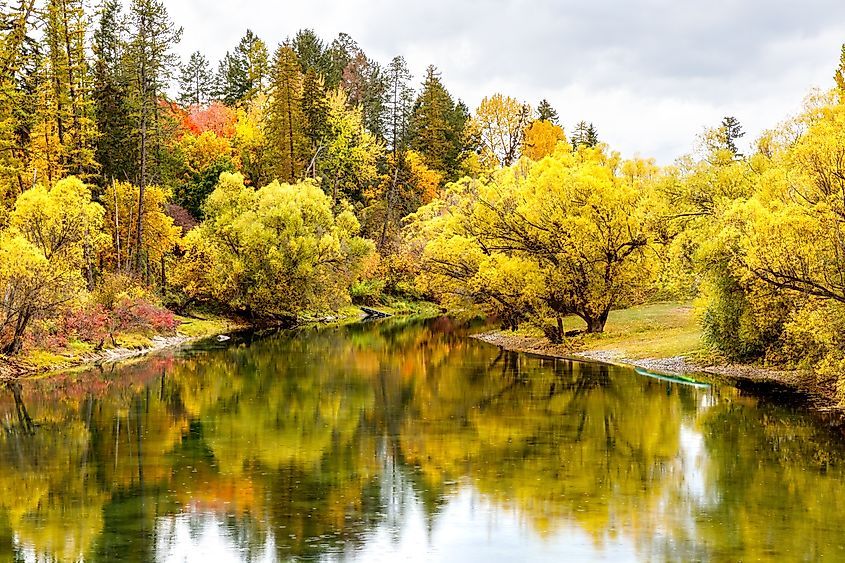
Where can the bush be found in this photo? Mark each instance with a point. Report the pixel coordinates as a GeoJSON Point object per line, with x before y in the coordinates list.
{"type": "Point", "coordinates": [97, 324]}
{"type": "Point", "coordinates": [366, 292]}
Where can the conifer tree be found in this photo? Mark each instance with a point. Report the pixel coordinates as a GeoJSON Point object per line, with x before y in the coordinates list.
{"type": "Point", "coordinates": [196, 83]}
{"type": "Point", "coordinates": [284, 119]}
{"type": "Point", "coordinates": [115, 150]}
{"type": "Point", "coordinates": [314, 114]}
{"type": "Point", "coordinates": [310, 52]}
{"type": "Point", "coordinates": [18, 56]}
{"type": "Point", "coordinates": [152, 65]}
{"type": "Point", "coordinates": [437, 126]}
{"type": "Point", "coordinates": [545, 112]}
{"type": "Point", "coordinates": [243, 73]}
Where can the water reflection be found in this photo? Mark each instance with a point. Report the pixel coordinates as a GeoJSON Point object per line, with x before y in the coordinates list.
{"type": "Point", "coordinates": [405, 439]}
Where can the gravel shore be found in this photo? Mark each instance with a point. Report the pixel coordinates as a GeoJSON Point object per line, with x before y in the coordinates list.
{"type": "Point", "coordinates": [820, 394]}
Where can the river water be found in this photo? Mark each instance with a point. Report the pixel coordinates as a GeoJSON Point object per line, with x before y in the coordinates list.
{"type": "Point", "coordinates": [405, 440]}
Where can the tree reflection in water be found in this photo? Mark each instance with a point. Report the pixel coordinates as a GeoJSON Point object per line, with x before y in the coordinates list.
{"type": "Point", "coordinates": [332, 442]}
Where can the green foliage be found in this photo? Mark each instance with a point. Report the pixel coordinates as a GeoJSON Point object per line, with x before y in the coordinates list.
{"type": "Point", "coordinates": [192, 194]}
{"type": "Point", "coordinates": [272, 252]}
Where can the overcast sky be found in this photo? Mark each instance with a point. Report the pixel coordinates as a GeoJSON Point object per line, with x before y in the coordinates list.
{"type": "Point", "coordinates": [650, 74]}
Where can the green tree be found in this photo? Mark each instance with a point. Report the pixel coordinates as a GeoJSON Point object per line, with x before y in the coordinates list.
{"type": "Point", "coordinates": [116, 151]}
{"type": "Point", "coordinates": [243, 73]}
{"type": "Point", "coordinates": [152, 63]}
{"type": "Point", "coordinates": [437, 126]}
{"type": "Point", "coordinates": [545, 112]}
{"type": "Point", "coordinates": [584, 134]}
{"type": "Point", "coordinates": [311, 52]}
{"type": "Point", "coordinates": [195, 82]}
{"type": "Point", "coordinates": [274, 252]}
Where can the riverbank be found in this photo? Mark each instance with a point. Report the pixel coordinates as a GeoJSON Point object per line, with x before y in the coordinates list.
{"type": "Point", "coordinates": [76, 355]}
{"type": "Point", "coordinates": [664, 338]}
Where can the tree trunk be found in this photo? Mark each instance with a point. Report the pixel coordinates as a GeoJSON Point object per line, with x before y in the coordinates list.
{"type": "Point", "coordinates": [596, 324]}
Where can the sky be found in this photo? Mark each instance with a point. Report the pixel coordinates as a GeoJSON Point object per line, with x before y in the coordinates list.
{"type": "Point", "coordinates": [651, 75]}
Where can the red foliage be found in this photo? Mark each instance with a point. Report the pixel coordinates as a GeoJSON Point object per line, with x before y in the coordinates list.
{"type": "Point", "coordinates": [96, 324]}
{"type": "Point", "coordinates": [215, 117]}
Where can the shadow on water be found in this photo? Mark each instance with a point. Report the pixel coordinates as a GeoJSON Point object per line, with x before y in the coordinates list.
{"type": "Point", "coordinates": [404, 438]}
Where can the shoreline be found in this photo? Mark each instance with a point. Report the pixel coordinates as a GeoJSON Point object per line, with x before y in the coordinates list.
{"type": "Point", "coordinates": [13, 369]}
{"type": "Point", "coordinates": [820, 396]}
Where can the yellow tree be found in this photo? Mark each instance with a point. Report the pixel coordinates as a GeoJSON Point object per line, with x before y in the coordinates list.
{"type": "Point", "coordinates": [272, 252]}
{"type": "Point", "coordinates": [500, 122]}
{"type": "Point", "coordinates": [541, 138]}
{"type": "Point", "coordinates": [43, 254]}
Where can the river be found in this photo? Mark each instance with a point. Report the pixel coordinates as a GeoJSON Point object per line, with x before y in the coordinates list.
{"type": "Point", "coordinates": [405, 440]}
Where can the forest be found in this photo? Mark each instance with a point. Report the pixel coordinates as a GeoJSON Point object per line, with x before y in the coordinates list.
{"type": "Point", "coordinates": [300, 178]}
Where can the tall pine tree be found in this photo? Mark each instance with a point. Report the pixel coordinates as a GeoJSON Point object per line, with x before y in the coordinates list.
{"type": "Point", "coordinates": [284, 119]}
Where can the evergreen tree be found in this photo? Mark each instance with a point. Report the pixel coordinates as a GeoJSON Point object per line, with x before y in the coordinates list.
{"type": "Point", "coordinates": [243, 73]}
{"type": "Point", "coordinates": [314, 114]}
{"type": "Point", "coordinates": [364, 83]}
{"type": "Point", "coordinates": [398, 106]}
{"type": "Point", "coordinates": [310, 51]}
{"type": "Point", "coordinates": [196, 83]}
{"type": "Point", "coordinates": [437, 126]}
{"type": "Point", "coordinates": [152, 64]}
{"type": "Point", "coordinates": [115, 151]}
{"type": "Point", "coordinates": [284, 118]}
{"type": "Point", "coordinates": [339, 54]}
{"type": "Point", "coordinates": [545, 112]}
{"type": "Point", "coordinates": [584, 134]}
{"type": "Point", "coordinates": [731, 132]}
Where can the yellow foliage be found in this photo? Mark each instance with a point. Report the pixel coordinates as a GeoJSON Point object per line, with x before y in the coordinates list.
{"type": "Point", "coordinates": [541, 138]}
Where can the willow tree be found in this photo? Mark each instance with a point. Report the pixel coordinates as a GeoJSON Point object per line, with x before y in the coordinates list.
{"type": "Point", "coordinates": [273, 252]}
{"type": "Point", "coordinates": [564, 236]}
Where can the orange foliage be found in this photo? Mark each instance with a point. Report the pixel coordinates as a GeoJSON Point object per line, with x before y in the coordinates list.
{"type": "Point", "coordinates": [216, 118]}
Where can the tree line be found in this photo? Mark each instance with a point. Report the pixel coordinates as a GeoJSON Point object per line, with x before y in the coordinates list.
{"type": "Point", "coordinates": [297, 178]}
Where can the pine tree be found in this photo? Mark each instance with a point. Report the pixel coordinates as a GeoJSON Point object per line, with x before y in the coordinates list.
{"type": "Point", "coordinates": [545, 112]}
{"type": "Point", "coordinates": [731, 132]}
{"type": "Point", "coordinates": [437, 126]}
{"type": "Point", "coordinates": [196, 82]}
{"type": "Point", "coordinates": [364, 83]}
{"type": "Point", "coordinates": [310, 51]}
{"type": "Point", "coordinates": [115, 151]}
{"type": "Point", "coordinates": [152, 64]}
{"type": "Point", "coordinates": [314, 114]}
{"type": "Point", "coordinates": [284, 119]}
{"type": "Point", "coordinates": [243, 73]}
{"type": "Point", "coordinates": [339, 54]}
{"type": "Point", "coordinates": [584, 134]}
{"type": "Point", "coordinates": [398, 108]}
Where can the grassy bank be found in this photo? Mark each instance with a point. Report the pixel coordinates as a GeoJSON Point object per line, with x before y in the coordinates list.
{"type": "Point", "coordinates": [78, 353]}
{"type": "Point", "coordinates": [664, 338]}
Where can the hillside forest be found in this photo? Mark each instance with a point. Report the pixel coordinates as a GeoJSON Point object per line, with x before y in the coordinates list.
{"type": "Point", "coordinates": [295, 179]}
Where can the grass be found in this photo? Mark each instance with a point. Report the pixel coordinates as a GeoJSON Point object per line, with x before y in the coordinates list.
{"type": "Point", "coordinates": [208, 325]}
{"type": "Point", "coordinates": [657, 330]}
{"type": "Point", "coordinates": [660, 330]}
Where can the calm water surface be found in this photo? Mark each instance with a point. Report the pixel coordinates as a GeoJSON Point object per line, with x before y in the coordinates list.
{"type": "Point", "coordinates": [406, 441]}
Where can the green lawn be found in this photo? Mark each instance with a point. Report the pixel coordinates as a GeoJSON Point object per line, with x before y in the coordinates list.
{"type": "Point", "coordinates": [658, 330]}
